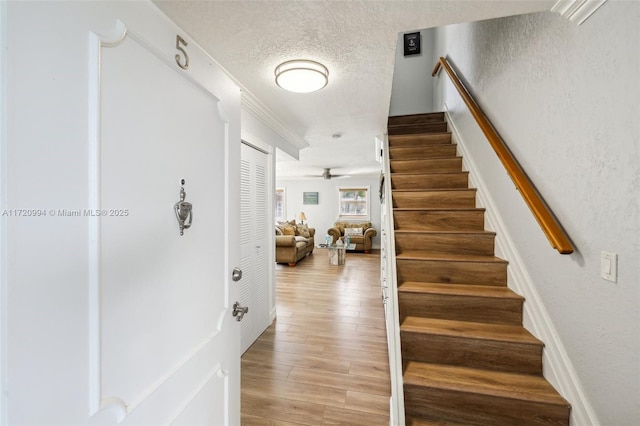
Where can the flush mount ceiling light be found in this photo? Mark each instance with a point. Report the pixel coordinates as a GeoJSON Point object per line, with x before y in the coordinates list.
{"type": "Point", "coordinates": [301, 76]}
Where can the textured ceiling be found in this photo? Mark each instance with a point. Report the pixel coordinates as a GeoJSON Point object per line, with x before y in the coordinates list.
{"type": "Point", "coordinates": [356, 40]}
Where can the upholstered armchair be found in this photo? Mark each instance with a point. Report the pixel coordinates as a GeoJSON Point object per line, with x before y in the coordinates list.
{"type": "Point", "coordinates": [360, 234]}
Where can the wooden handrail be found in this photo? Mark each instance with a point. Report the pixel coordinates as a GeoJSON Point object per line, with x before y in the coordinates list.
{"type": "Point", "coordinates": [547, 221]}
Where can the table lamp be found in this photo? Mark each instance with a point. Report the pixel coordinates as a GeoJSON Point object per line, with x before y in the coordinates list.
{"type": "Point", "coordinates": [302, 218]}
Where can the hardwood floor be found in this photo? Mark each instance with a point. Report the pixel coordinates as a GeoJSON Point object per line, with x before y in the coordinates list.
{"type": "Point", "coordinates": [324, 360]}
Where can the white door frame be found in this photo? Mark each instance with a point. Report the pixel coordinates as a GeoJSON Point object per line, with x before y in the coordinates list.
{"type": "Point", "coordinates": [3, 206]}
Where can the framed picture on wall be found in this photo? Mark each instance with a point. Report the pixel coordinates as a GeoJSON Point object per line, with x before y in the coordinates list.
{"type": "Point", "coordinates": [309, 198]}
{"type": "Point", "coordinates": [412, 44]}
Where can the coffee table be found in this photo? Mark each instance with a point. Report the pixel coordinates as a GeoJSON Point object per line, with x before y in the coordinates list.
{"type": "Point", "coordinates": [337, 254]}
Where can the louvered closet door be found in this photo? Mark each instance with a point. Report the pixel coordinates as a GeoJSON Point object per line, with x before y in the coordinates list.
{"type": "Point", "coordinates": [254, 291]}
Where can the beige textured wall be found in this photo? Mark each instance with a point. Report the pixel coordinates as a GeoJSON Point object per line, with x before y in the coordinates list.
{"type": "Point", "coordinates": [566, 100]}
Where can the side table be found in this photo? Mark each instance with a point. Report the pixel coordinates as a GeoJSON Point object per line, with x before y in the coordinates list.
{"type": "Point", "coordinates": [337, 254]}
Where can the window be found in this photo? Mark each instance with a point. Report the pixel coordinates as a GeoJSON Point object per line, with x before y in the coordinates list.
{"type": "Point", "coordinates": [281, 210]}
{"type": "Point", "coordinates": [354, 202]}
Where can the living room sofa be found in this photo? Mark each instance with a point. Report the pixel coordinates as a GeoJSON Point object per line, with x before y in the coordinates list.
{"type": "Point", "coordinates": [292, 248]}
{"type": "Point", "coordinates": [361, 234]}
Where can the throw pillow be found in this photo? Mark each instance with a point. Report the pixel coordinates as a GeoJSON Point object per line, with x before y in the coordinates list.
{"type": "Point", "coordinates": [289, 230]}
{"type": "Point", "coordinates": [353, 231]}
{"type": "Point", "coordinates": [300, 238]}
{"type": "Point", "coordinates": [279, 231]}
{"type": "Point", "coordinates": [303, 230]}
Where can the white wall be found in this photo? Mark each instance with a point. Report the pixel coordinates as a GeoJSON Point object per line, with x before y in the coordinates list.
{"type": "Point", "coordinates": [566, 100]}
{"type": "Point", "coordinates": [323, 215]}
{"type": "Point", "coordinates": [412, 90]}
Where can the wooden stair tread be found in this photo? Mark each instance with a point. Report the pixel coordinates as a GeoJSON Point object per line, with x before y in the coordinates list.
{"type": "Point", "coordinates": [427, 174]}
{"type": "Point", "coordinates": [448, 257]}
{"type": "Point", "coordinates": [439, 209]}
{"type": "Point", "coordinates": [525, 387]}
{"type": "Point", "coordinates": [425, 135]}
{"type": "Point", "coordinates": [467, 329]}
{"type": "Point", "coordinates": [408, 148]}
{"type": "Point", "coordinates": [421, 165]}
{"type": "Point", "coordinates": [437, 120]}
{"type": "Point", "coordinates": [402, 147]}
{"type": "Point", "coordinates": [415, 421]}
{"type": "Point", "coordinates": [445, 232]}
{"type": "Point", "coordinates": [487, 291]}
{"type": "Point", "coordinates": [412, 140]}
{"type": "Point", "coordinates": [407, 160]}
{"type": "Point", "coordinates": [417, 128]}
{"type": "Point", "coordinates": [412, 190]}
{"type": "Point", "coordinates": [427, 117]}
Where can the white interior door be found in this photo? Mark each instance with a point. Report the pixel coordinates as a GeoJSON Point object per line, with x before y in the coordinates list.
{"type": "Point", "coordinates": [254, 287]}
{"type": "Point", "coordinates": [164, 343]}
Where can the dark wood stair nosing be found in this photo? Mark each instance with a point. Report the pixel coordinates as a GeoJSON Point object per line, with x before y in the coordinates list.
{"type": "Point", "coordinates": [434, 190]}
{"type": "Point", "coordinates": [481, 388]}
{"type": "Point", "coordinates": [482, 232]}
{"type": "Point", "coordinates": [429, 116]}
{"type": "Point", "coordinates": [418, 256]}
{"type": "Point", "coordinates": [427, 174]}
{"type": "Point", "coordinates": [427, 146]}
{"type": "Point", "coordinates": [434, 123]}
{"type": "Point", "coordinates": [421, 134]}
{"type": "Point", "coordinates": [459, 290]}
{"type": "Point", "coordinates": [493, 332]}
{"type": "Point", "coordinates": [417, 129]}
{"type": "Point", "coordinates": [439, 209]}
{"type": "Point", "coordinates": [446, 157]}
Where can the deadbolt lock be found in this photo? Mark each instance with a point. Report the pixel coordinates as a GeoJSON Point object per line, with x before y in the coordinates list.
{"type": "Point", "coordinates": [236, 275]}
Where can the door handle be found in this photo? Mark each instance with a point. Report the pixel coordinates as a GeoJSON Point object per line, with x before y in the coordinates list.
{"type": "Point", "coordinates": [239, 311]}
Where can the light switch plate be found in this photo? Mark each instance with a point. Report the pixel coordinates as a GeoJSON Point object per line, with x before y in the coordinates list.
{"type": "Point", "coordinates": [609, 266]}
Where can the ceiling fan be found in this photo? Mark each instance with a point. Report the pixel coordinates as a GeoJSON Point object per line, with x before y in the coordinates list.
{"type": "Point", "coordinates": [326, 174]}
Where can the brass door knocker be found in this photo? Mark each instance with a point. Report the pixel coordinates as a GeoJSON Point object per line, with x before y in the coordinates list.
{"type": "Point", "coordinates": [183, 210]}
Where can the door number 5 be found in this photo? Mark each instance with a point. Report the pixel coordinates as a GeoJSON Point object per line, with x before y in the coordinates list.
{"type": "Point", "coordinates": [179, 41]}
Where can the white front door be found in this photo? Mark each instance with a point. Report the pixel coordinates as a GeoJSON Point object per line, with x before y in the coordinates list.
{"type": "Point", "coordinates": [163, 325]}
{"type": "Point", "coordinates": [254, 215]}
{"type": "Point", "coordinates": [112, 316]}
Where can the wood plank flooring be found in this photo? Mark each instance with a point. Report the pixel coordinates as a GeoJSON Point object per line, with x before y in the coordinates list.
{"type": "Point", "coordinates": [324, 360]}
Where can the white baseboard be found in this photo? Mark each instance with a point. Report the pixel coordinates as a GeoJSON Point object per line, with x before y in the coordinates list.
{"type": "Point", "coordinates": [558, 369]}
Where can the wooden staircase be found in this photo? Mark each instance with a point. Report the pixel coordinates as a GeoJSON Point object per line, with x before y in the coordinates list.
{"type": "Point", "coordinates": [467, 359]}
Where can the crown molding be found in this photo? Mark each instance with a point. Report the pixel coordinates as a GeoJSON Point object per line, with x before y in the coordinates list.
{"type": "Point", "coordinates": [577, 11]}
{"type": "Point", "coordinates": [253, 105]}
